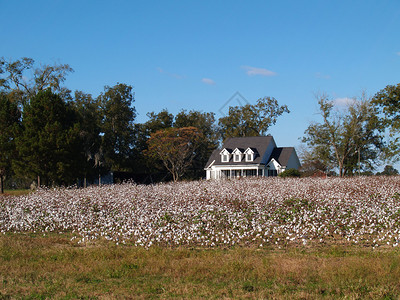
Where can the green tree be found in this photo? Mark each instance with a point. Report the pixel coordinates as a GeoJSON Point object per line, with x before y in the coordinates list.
{"type": "Point", "coordinates": [156, 122]}
{"type": "Point", "coordinates": [23, 79]}
{"type": "Point", "coordinates": [205, 123]}
{"type": "Point", "coordinates": [251, 120]}
{"type": "Point", "coordinates": [175, 147]}
{"type": "Point", "coordinates": [388, 171]}
{"type": "Point", "coordinates": [118, 114]}
{"type": "Point", "coordinates": [290, 173]}
{"type": "Point", "coordinates": [89, 118]}
{"type": "Point", "coordinates": [345, 136]}
{"type": "Point", "coordinates": [145, 164]}
{"type": "Point", "coordinates": [49, 146]}
{"type": "Point", "coordinates": [387, 103]}
{"type": "Point", "coordinates": [9, 130]}
{"type": "Point", "coordinates": [311, 161]}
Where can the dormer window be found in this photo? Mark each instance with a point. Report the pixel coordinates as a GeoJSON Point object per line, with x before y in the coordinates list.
{"type": "Point", "coordinates": [237, 155]}
{"type": "Point", "coordinates": [225, 155]}
{"type": "Point", "coordinates": [249, 154]}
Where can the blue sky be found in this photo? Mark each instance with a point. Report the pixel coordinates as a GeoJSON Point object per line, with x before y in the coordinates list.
{"type": "Point", "coordinates": [197, 54]}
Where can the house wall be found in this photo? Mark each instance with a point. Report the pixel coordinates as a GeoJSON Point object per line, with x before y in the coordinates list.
{"type": "Point", "coordinates": [294, 162]}
{"type": "Point", "coordinates": [268, 152]}
{"type": "Point", "coordinates": [217, 172]}
{"type": "Point", "coordinates": [273, 165]}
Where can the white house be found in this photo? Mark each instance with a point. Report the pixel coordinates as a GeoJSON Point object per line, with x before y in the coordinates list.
{"type": "Point", "coordinates": [250, 156]}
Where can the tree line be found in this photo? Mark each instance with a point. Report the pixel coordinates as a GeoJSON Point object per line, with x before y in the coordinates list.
{"type": "Point", "coordinates": [55, 136]}
{"type": "Point", "coordinates": [354, 137]}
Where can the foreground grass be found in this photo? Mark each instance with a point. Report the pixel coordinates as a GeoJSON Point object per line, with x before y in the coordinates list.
{"type": "Point", "coordinates": [16, 192]}
{"type": "Point", "coordinates": [40, 267]}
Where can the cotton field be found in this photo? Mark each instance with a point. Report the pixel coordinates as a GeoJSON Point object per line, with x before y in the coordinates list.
{"type": "Point", "coordinates": [257, 212]}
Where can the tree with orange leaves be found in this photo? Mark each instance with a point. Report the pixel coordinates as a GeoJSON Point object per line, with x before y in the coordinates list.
{"type": "Point", "coordinates": [175, 147]}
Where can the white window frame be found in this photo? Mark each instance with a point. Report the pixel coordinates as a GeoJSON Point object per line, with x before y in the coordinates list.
{"type": "Point", "coordinates": [237, 157]}
{"type": "Point", "coordinates": [225, 155]}
{"type": "Point", "coordinates": [249, 157]}
{"type": "Point", "coordinates": [249, 154]}
{"type": "Point", "coordinates": [225, 158]}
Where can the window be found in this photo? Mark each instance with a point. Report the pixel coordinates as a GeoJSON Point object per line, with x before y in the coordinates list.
{"type": "Point", "coordinates": [249, 154]}
{"type": "Point", "coordinates": [250, 173]}
{"type": "Point", "coordinates": [237, 158]}
{"type": "Point", "coordinates": [225, 157]}
{"type": "Point", "coordinates": [225, 173]}
{"type": "Point", "coordinates": [272, 173]}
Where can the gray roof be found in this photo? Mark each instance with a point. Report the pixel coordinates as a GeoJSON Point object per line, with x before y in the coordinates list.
{"type": "Point", "coordinates": [258, 144]}
{"type": "Point", "coordinates": [282, 155]}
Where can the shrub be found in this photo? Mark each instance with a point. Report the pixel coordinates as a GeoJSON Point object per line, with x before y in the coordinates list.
{"type": "Point", "coordinates": [290, 173]}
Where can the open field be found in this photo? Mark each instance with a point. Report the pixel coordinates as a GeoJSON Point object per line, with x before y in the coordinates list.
{"type": "Point", "coordinates": [254, 238]}
{"type": "Point", "coordinates": [15, 192]}
{"type": "Point", "coordinates": [37, 267]}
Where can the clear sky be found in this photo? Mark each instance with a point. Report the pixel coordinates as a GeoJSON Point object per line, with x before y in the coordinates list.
{"type": "Point", "coordinates": [197, 54]}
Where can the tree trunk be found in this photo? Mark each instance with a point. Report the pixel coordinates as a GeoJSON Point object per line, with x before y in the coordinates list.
{"type": "Point", "coordinates": [38, 181]}
{"type": "Point", "coordinates": [1, 185]}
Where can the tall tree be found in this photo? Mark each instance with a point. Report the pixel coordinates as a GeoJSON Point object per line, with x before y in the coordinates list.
{"type": "Point", "coordinates": [49, 144]}
{"type": "Point", "coordinates": [346, 137]}
{"type": "Point", "coordinates": [389, 170]}
{"type": "Point", "coordinates": [311, 161]}
{"type": "Point", "coordinates": [175, 147]}
{"type": "Point", "coordinates": [157, 121]}
{"type": "Point", "coordinates": [117, 125]}
{"type": "Point", "coordinates": [251, 120]}
{"type": "Point", "coordinates": [23, 79]}
{"type": "Point", "coordinates": [387, 102]}
{"type": "Point", "coordinates": [89, 118]}
{"type": "Point", "coordinates": [205, 123]}
{"type": "Point", "coordinates": [9, 130]}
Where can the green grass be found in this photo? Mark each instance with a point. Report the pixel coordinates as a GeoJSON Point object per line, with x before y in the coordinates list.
{"type": "Point", "coordinates": [17, 192]}
{"type": "Point", "coordinates": [36, 267]}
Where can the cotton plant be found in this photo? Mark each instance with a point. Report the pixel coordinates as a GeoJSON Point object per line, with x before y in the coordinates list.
{"type": "Point", "coordinates": [255, 211]}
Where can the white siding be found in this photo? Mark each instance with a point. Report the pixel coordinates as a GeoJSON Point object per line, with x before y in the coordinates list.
{"type": "Point", "coordinates": [268, 152]}
{"type": "Point", "coordinates": [293, 162]}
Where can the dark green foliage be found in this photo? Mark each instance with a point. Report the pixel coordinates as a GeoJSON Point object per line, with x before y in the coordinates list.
{"type": "Point", "coordinates": [89, 119]}
{"type": "Point", "coordinates": [387, 102]}
{"type": "Point", "coordinates": [117, 125]}
{"type": "Point", "coordinates": [9, 129]}
{"type": "Point", "coordinates": [251, 120]}
{"type": "Point", "coordinates": [49, 146]}
{"type": "Point", "coordinates": [345, 137]}
{"type": "Point", "coordinates": [21, 87]}
{"type": "Point", "coordinates": [205, 123]}
{"type": "Point", "coordinates": [388, 171]}
{"type": "Point", "coordinates": [145, 165]}
{"type": "Point", "coordinates": [290, 173]}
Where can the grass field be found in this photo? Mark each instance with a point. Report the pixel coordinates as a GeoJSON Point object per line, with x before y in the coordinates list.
{"type": "Point", "coordinates": [15, 192]}
{"type": "Point", "coordinates": [51, 266]}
